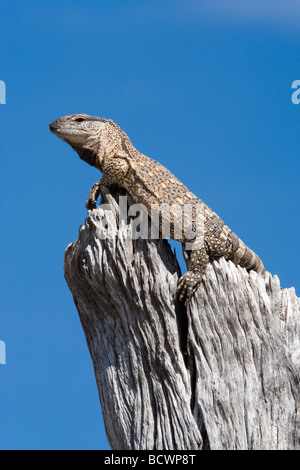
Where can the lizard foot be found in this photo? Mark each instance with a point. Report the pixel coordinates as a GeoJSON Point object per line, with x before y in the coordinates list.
{"type": "Point", "coordinates": [187, 286]}
{"type": "Point", "coordinates": [93, 196]}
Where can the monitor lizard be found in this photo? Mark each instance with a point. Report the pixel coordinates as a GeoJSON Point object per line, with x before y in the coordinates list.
{"type": "Point", "coordinates": [103, 144]}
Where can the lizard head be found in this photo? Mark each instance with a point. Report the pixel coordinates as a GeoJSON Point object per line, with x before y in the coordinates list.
{"type": "Point", "coordinates": [94, 139]}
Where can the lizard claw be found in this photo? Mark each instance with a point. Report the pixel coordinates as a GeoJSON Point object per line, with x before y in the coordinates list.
{"type": "Point", "coordinates": [91, 202]}
{"type": "Point", "coordinates": [187, 286]}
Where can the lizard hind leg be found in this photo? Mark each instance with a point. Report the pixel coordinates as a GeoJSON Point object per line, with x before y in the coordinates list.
{"type": "Point", "coordinates": [189, 282]}
{"type": "Point", "coordinates": [218, 248]}
{"type": "Point", "coordinates": [199, 259]}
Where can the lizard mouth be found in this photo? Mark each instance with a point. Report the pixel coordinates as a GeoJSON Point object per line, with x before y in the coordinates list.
{"type": "Point", "coordinates": [56, 130]}
{"type": "Point", "coordinates": [53, 128]}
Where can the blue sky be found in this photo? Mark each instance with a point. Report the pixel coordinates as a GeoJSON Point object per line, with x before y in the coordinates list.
{"type": "Point", "coordinates": [202, 86]}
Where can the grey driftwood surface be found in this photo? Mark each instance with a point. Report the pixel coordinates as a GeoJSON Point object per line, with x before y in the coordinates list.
{"type": "Point", "coordinates": [223, 374]}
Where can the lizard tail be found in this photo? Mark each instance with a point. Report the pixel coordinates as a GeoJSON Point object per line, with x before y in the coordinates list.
{"type": "Point", "coordinates": [243, 256]}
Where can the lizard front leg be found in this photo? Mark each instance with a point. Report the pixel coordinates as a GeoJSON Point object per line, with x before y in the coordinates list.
{"type": "Point", "coordinates": [93, 196]}
{"type": "Point", "coordinates": [114, 173]}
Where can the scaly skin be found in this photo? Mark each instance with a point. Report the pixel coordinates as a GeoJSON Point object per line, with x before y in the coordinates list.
{"type": "Point", "coordinates": [104, 145]}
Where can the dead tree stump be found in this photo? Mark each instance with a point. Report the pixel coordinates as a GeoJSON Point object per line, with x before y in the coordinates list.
{"type": "Point", "coordinates": [223, 374]}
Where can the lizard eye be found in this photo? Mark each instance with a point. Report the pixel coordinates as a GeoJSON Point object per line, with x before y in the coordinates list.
{"type": "Point", "coordinates": [79, 119]}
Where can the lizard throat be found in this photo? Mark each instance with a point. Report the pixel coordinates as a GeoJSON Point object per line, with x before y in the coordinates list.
{"type": "Point", "coordinates": [87, 155]}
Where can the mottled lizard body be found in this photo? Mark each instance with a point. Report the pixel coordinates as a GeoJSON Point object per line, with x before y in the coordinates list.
{"type": "Point", "coordinates": [104, 145]}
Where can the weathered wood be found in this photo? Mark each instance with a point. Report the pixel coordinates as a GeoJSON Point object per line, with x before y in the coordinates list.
{"type": "Point", "coordinates": [222, 375]}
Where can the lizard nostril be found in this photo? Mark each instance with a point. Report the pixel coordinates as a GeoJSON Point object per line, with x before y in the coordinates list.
{"type": "Point", "coordinates": [52, 127]}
